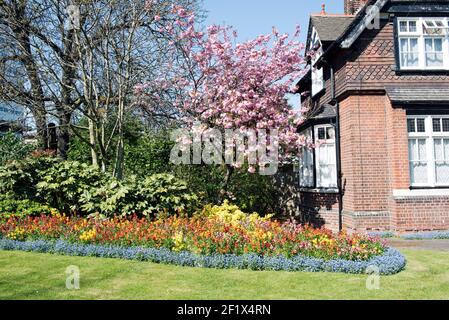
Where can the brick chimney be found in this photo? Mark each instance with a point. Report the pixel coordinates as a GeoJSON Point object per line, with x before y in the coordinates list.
{"type": "Point", "coordinates": [353, 6]}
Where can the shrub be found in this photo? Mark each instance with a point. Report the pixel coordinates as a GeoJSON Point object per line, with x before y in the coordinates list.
{"type": "Point", "coordinates": [63, 184]}
{"type": "Point", "coordinates": [11, 207]}
{"type": "Point", "coordinates": [163, 194]}
{"type": "Point", "coordinates": [156, 196]}
{"type": "Point", "coordinates": [149, 155]}
{"type": "Point", "coordinates": [250, 192]}
{"type": "Point", "coordinates": [13, 147]}
{"type": "Point", "coordinates": [18, 178]}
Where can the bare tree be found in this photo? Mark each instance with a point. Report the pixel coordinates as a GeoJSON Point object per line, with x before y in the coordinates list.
{"type": "Point", "coordinates": [63, 58]}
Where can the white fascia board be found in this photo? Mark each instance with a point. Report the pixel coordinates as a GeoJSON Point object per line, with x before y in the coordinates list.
{"type": "Point", "coordinates": [369, 17]}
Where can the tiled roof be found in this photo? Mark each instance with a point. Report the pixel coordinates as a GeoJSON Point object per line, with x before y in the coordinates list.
{"type": "Point", "coordinates": [418, 94]}
{"type": "Point", "coordinates": [325, 112]}
{"type": "Point", "coordinates": [330, 27]}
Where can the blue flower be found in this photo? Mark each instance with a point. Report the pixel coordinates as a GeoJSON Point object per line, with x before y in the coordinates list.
{"type": "Point", "coordinates": [391, 262]}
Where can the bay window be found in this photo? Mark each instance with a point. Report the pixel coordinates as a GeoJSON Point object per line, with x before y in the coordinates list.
{"type": "Point", "coordinates": [429, 150]}
{"type": "Point", "coordinates": [423, 43]}
{"type": "Point", "coordinates": [318, 164]}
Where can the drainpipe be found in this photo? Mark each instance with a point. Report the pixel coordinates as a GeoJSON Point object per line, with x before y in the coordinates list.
{"type": "Point", "coordinates": [334, 101]}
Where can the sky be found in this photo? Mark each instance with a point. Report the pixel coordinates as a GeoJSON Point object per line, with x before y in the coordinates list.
{"type": "Point", "coordinates": [252, 18]}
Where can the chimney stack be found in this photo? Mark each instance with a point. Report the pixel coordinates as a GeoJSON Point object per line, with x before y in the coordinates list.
{"type": "Point", "coordinates": [353, 6]}
{"type": "Point", "coordinates": [323, 9]}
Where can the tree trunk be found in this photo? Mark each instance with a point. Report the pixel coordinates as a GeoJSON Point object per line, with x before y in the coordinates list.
{"type": "Point", "coordinates": [120, 151]}
{"type": "Point", "coordinates": [63, 134]}
{"type": "Point", "coordinates": [227, 179]}
{"type": "Point", "coordinates": [93, 143]}
{"type": "Point", "coordinates": [41, 128]}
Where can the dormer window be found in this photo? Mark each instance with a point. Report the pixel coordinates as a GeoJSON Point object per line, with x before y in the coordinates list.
{"type": "Point", "coordinates": [423, 43]}
{"type": "Point", "coordinates": [317, 73]}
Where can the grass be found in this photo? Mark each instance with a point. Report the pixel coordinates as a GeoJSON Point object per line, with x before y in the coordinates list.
{"type": "Point", "coordinates": [42, 276]}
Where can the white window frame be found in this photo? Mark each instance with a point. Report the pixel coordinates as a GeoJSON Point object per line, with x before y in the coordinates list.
{"type": "Point", "coordinates": [320, 144]}
{"type": "Point", "coordinates": [430, 136]}
{"type": "Point", "coordinates": [306, 162]}
{"type": "Point", "coordinates": [419, 34]}
{"type": "Point", "coordinates": [317, 74]}
{"type": "Point", "coordinates": [315, 156]}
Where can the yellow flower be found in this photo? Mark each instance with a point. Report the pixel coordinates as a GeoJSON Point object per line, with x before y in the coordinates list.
{"type": "Point", "coordinates": [88, 235]}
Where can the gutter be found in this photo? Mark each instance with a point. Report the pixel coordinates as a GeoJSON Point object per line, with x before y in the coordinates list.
{"type": "Point", "coordinates": [334, 101]}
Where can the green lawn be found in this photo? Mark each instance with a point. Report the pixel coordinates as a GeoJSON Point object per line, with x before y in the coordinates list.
{"type": "Point", "coordinates": [42, 276]}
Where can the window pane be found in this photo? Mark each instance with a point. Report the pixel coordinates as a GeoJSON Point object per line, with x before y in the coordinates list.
{"type": "Point", "coordinates": [421, 125]}
{"type": "Point", "coordinates": [442, 161]}
{"type": "Point", "coordinates": [418, 163]}
{"type": "Point", "coordinates": [331, 133]}
{"type": "Point", "coordinates": [411, 127]}
{"type": "Point", "coordinates": [438, 45]}
{"type": "Point", "coordinates": [321, 134]}
{"type": "Point", "coordinates": [442, 173]}
{"type": "Point", "coordinates": [439, 152]}
{"type": "Point", "coordinates": [412, 26]}
{"type": "Point", "coordinates": [327, 177]}
{"type": "Point", "coordinates": [404, 45]}
{"type": "Point", "coordinates": [446, 125]}
{"type": "Point", "coordinates": [418, 172]}
{"type": "Point", "coordinates": [436, 124]}
{"type": "Point", "coordinates": [429, 45]}
{"type": "Point", "coordinates": [414, 45]}
{"type": "Point", "coordinates": [413, 150]}
{"type": "Point", "coordinates": [403, 26]}
{"type": "Point", "coordinates": [446, 149]}
{"type": "Point", "coordinates": [306, 168]}
{"type": "Point", "coordinates": [434, 52]}
{"type": "Point", "coordinates": [422, 150]}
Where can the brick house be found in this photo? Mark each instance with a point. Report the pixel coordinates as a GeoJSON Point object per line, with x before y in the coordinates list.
{"type": "Point", "coordinates": [378, 99]}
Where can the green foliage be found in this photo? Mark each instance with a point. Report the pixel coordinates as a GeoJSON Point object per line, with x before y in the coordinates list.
{"type": "Point", "coordinates": [14, 207]}
{"type": "Point", "coordinates": [133, 136]}
{"type": "Point", "coordinates": [156, 196]}
{"type": "Point", "coordinates": [251, 192]}
{"type": "Point", "coordinates": [149, 155]}
{"type": "Point", "coordinates": [63, 184]}
{"type": "Point", "coordinates": [254, 193]}
{"type": "Point", "coordinates": [13, 147]}
{"type": "Point", "coordinates": [18, 178]}
{"type": "Point", "coordinates": [165, 194]}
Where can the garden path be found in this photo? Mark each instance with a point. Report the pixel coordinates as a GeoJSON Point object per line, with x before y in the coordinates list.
{"type": "Point", "coordinates": [437, 245]}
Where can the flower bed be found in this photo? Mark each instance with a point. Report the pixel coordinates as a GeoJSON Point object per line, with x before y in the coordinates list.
{"type": "Point", "coordinates": [391, 262]}
{"type": "Point", "coordinates": [237, 241]}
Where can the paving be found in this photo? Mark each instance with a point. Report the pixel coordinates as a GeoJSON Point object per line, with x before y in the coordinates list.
{"type": "Point", "coordinates": [437, 245]}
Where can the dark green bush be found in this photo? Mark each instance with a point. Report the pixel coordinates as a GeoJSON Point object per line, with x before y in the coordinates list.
{"type": "Point", "coordinates": [13, 147]}
{"type": "Point", "coordinates": [18, 178]}
{"type": "Point", "coordinates": [63, 184]}
{"type": "Point", "coordinates": [10, 207]}
{"type": "Point", "coordinates": [154, 196]}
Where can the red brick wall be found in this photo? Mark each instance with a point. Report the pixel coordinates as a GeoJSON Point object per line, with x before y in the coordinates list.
{"type": "Point", "coordinates": [420, 213]}
{"type": "Point", "coordinates": [374, 143]}
{"type": "Point", "coordinates": [319, 209]}
{"type": "Point", "coordinates": [352, 6]}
